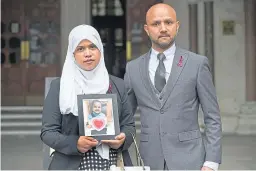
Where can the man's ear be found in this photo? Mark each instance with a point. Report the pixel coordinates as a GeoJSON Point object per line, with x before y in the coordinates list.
{"type": "Point", "coordinates": [146, 28]}
{"type": "Point", "coordinates": [178, 26]}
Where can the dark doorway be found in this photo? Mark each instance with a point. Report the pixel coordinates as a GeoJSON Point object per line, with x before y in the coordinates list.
{"type": "Point", "coordinates": [109, 18]}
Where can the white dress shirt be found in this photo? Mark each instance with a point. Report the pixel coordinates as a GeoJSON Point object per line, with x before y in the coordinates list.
{"type": "Point", "coordinates": [153, 64]}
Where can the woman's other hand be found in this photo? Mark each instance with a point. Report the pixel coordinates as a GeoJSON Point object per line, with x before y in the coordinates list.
{"type": "Point", "coordinates": [117, 143]}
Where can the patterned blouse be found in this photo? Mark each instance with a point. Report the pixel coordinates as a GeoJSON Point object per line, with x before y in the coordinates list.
{"type": "Point", "coordinates": [91, 160]}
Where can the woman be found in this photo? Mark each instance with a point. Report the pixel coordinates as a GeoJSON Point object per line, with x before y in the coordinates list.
{"type": "Point", "coordinates": [84, 72]}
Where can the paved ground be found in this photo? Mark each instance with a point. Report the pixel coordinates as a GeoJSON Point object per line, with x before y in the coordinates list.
{"type": "Point", "coordinates": [20, 153]}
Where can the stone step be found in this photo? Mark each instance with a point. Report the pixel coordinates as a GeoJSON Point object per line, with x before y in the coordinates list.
{"type": "Point", "coordinates": [21, 120]}
{"type": "Point", "coordinates": [10, 116]}
{"type": "Point", "coordinates": [22, 128]}
{"type": "Point", "coordinates": [20, 124]}
{"type": "Point", "coordinates": [20, 109]}
{"type": "Point", "coordinates": [21, 132]}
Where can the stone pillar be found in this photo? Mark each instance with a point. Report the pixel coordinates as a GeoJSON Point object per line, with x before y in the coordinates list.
{"type": "Point", "coordinates": [73, 13]}
{"type": "Point", "coordinates": [247, 118]}
{"type": "Point", "coordinates": [250, 50]}
{"type": "Point", "coordinates": [193, 31]}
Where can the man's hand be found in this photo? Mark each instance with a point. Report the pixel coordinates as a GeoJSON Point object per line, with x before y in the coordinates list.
{"type": "Point", "coordinates": [205, 168]}
{"type": "Point", "coordinates": [85, 143]}
{"type": "Point", "coordinates": [115, 144]}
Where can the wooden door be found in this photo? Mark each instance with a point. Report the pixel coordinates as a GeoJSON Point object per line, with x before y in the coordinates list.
{"type": "Point", "coordinates": [43, 34]}
{"type": "Point", "coordinates": [13, 67]}
{"type": "Point", "coordinates": [30, 49]}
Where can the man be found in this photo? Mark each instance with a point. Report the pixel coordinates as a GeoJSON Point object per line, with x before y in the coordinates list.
{"type": "Point", "coordinates": [168, 84]}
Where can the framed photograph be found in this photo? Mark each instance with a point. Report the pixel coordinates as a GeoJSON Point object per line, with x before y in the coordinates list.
{"type": "Point", "coordinates": [98, 116]}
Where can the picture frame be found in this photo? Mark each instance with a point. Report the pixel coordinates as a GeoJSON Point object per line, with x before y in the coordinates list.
{"type": "Point", "coordinates": [98, 116]}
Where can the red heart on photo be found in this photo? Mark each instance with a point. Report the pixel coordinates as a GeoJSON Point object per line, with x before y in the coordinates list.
{"type": "Point", "coordinates": [98, 123]}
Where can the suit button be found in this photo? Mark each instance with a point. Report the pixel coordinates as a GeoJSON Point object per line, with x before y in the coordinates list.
{"type": "Point", "coordinates": [160, 97]}
{"type": "Point", "coordinates": [161, 111]}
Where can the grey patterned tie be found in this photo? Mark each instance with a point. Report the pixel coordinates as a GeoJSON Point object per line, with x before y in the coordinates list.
{"type": "Point", "coordinates": [160, 73]}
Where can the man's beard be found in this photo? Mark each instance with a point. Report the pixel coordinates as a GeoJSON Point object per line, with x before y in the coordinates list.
{"type": "Point", "coordinates": [163, 45]}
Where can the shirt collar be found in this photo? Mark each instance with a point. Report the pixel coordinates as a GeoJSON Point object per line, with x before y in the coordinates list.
{"type": "Point", "coordinates": [169, 53]}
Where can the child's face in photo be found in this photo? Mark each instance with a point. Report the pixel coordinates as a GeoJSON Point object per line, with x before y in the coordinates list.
{"type": "Point", "coordinates": [97, 107]}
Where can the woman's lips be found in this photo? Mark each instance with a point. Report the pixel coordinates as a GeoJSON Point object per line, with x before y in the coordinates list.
{"type": "Point", "coordinates": [88, 62]}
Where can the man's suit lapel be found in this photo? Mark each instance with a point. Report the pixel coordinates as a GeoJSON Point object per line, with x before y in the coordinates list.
{"type": "Point", "coordinates": [179, 62]}
{"type": "Point", "coordinates": [144, 71]}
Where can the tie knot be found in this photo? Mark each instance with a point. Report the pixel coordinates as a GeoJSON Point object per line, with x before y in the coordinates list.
{"type": "Point", "coordinates": [161, 56]}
